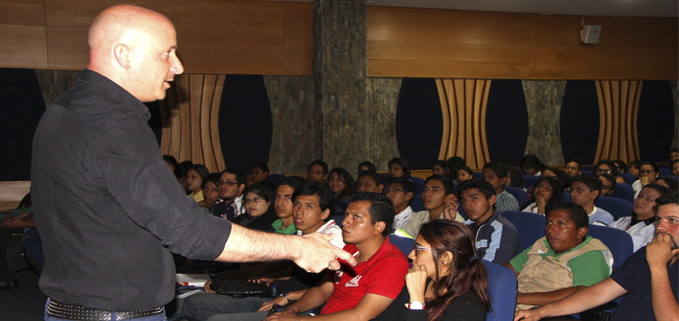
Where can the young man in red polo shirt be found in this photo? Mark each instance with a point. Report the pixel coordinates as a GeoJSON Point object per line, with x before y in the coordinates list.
{"type": "Point", "coordinates": [364, 291]}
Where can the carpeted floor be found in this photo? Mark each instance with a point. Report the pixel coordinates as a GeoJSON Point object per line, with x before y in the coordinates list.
{"type": "Point", "coordinates": [27, 303]}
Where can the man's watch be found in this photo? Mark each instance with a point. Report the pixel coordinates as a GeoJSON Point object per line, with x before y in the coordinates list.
{"type": "Point", "coordinates": [285, 295]}
{"type": "Point", "coordinates": [416, 305]}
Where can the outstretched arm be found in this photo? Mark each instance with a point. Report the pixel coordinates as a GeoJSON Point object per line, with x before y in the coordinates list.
{"type": "Point", "coordinates": [543, 298]}
{"type": "Point", "coordinates": [312, 252]}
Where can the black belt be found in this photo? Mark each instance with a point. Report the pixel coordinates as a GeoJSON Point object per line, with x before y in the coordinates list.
{"type": "Point", "coordinates": [75, 312]}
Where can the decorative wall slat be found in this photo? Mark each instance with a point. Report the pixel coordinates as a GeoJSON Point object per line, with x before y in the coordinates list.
{"type": "Point", "coordinates": [675, 97]}
{"type": "Point", "coordinates": [190, 117]}
{"type": "Point", "coordinates": [543, 101]}
{"type": "Point", "coordinates": [463, 104]}
{"type": "Point", "coordinates": [618, 108]}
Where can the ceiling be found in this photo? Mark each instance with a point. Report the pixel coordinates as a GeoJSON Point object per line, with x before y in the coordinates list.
{"type": "Point", "coordinates": [614, 8]}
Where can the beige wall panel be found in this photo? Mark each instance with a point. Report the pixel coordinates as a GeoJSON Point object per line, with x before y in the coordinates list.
{"type": "Point", "coordinates": [22, 46]}
{"type": "Point", "coordinates": [208, 54]}
{"type": "Point", "coordinates": [603, 63]}
{"type": "Point", "coordinates": [22, 12]}
{"type": "Point", "coordinates": [67, 48]}
{"type": "Point", "coordinates": [298, 56]}
{"type": "Point", "coordinates": [432, 25]}
{"type": "Point", "coordinates": [299, 19]}
{"type": "Point", "coordinates": [413, 59]}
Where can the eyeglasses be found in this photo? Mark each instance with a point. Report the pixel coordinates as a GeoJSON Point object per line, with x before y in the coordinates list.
{"type": "Point", "coordinates": [601, 170]}
{"type": "Point", "coordinates": [417, 249]}
{"type": "Point", "coordinates": [252, 200]}
{"type": "Point", "coordinates": [648, 171]}
{"type": "Point", "coordinates": [394, 190]}
{"type": "Point", "coordinates": [228, 183]}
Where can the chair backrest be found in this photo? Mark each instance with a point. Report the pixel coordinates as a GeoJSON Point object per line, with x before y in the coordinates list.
{"type": "Point", "coordinates": [338, 219]}
{"type": "Point", "coordinates": [477, 175]}
{"type": "Point", "coordinates": [616, 206]}
{"type": "Point", "coordinates": [629, 178]}
{"type": "Point", "coordinates": [587, 172]}
{"type": "Point", "coordinates": [501, 292]}
{"type": "Point", "coordinates": [566, 198]}
{"type": "Point", "coordinates": [416, 205]}
{"type": "Point", "coordinates": [618, 241]}
{"type": "Point", "coordinates": [405, 244]}
{"type": "Point", "coordinates": [385, 179]}
{"type": "Point", "coordinates": [518, 193]}
{"type": "Point", "coordinates": [623, 191]}
{"type": "Point", "coordinates": [419, 183]}
{"type": "Point", "coordinates": [531, 226]}
{"type": "Point", "coordinates": [664, 171]}
{"type": "Point", "coordinates": [530, 180]}
{"type": "Point", "coordinates": [275, 178]}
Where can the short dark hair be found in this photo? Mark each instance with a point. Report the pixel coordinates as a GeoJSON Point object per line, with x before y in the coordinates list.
{"type": "Point", "coordinates": [406, 184]}
{"type": "Point", "coordinates": [318, 162]}
{"type": "Point", "coordinates": [577, 213]}
{"type": "Point", "coordinates": [212, 177]}
{"type": "Point", "coordinates": [530, 161]}
{"type": "Point", "coordinates": [439, 162]}
{"type": "Point", "coordinates": [241, 179]}
{"type": "Point", "coordinates": [592, 182]}
{"type": "Point", "coordinates": [636, 164]}
{"type": "Point", "coordinates": [466, 169]}
{"type": "Point", "coordinates": [611, 179]}
{"type": "Point", "coordinates": [292, 181]}
{"type": "Point", "coordinates": [574, 161]}
{"type": "Point", "coordinates": [401, 162]}
{"type": "Point", "coordinates": [381, 209]}
{"type": "Point", "coordinates": [666, 199]}
{"type": "Point", "coordinates": [622, 165]}
{"type": "Point", "coordinates": [373, 175]}
{"type": "Point", "coordinates": [182, 168]}
{"type": "Point", "coordinates": [260, 190]}
{"type": "Point", "coordinates": [326, 197]}
{"type": "Point", "coordinates": [670, 181]}
{"type": "Point", "coordinates": [201, 170]}
{"type": "Point", "coordinates": [262, 166]}
{"type": "Point", "coordinates": [455, 162]}
{"type": "Point", "coordinates": [369, 164]}
{"type": "Point", "coordinates": [481, 184]}
{"type": "Point", "coordinates": [446, 181]}
{"type": "Point", "coordinates": [497, 168]}
{"type": "Point", "coordinates": [170, 159]}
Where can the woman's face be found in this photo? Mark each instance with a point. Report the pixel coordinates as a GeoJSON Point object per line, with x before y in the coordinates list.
{"type": "Point", "coordinates": [544, 190]}
{"type": "Point", "coordinates": [603, 169]}
{"type": "Point", "coordinates": [255, 205]}
{"type": "Point", "coordinates": [438, 170]}
{"type": "Point", "coordinates": [422, 255]}
{"type": "Point", "coordinates": [462, 176]}
{"type": "Point", "coordinates": [675, 169]}
{"type": "Point", "coordinates": [336, 183]}
{"type": "Point", "coordinates": [648, 171]}
{"type": "Point", "coordinates": [643, 204]}
{"type": "Point", "coordinates": [193, 181]}
{"type": "Point", "coordinates": [395, 170]}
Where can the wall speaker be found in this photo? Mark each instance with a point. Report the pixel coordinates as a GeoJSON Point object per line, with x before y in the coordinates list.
{"type": "Point", "coordinates": [590, 33]}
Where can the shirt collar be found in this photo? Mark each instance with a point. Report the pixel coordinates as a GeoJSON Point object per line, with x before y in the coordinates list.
{"type": "Point", "coordinates": [127, 101]}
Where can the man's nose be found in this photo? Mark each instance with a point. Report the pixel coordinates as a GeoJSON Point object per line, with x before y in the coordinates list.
{"type": "Point", "coordinates": [177, 67]}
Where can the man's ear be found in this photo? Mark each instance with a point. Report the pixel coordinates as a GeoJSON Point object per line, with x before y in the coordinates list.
{"type": "Point", "coordinates": [123, 54]}
{"type": "Point", "coordinates": [409, 195]}
{"type": "Point", "coordinates": [595, 193]}
{"type": "Point", "coordinates": [579, 172]}
{"type": "Point", "coordinates": [325, 177]}
{"type": "Point", "coordinates": [379, 227]}
{"type": "Point", "coordinates": [503, 180]}
{"type": "Point", "coordinates": [582, 232]}
{"type": "Point", "coordinates": [492, 200]}
{"type": "Point", "coordinates": [381, 187]}
{"type": "Point", "coordinates": [325, 214]}
{"type": "Point", "coordinates": [241, 187]}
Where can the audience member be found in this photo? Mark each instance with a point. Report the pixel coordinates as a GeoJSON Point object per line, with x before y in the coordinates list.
{"type": "Point", "coordinates": [13, 221]}
{"type": "Point", "coordinates": [620, 166]}
{"type": "Point", "coordinates": [668, 182]}
{"type": "Point", "coordinates": [464, 173]}
{"type": "Point", "coordinates": [497, 240]}
{"type": "Point", "coordinates": [317, 171]}
{"type": "Point", "coordinates": [314, 201]}
{"type": "Point", "coordinates": [586, 190]}
{"type": "Point", "coordinates": [650, 278]}
{"type": "Point", "coordinates": [401, 192]}
{"type": "Point", "coordinates": [514, 177]}
{"type": "Point", "coordinates": [438, 201]}
{"type": "Point", "coordinates": [231, 186]}
{"type": "Point", "coordinates": [285, 188]}
{"type": "Point", "coordinates": [640, 223]}
{"type": "Point", "coordinates": [608, 184]}
{"type": "Point", "coordinates": [364, 291]}
{"type": "Point", "coordinates": [558, 174]}
{"type": "Point", "coordinates": [573, 168]}
{"type": "Point", "coordinates": [496, 175]}
{"type": "Point", "coordinates": [343, 185]}
{"type": "Point", "coordinates": [648, 174]}
{"type": "Point", "coordinates": [366, 166]}
{"type": "Point", "coordinates": [194, 180]}
{"type": "Point", "coordinates": [674, 165]}
{"type": "Point", "coordinates": [447, 277]}
{"type": "Point", "coordinates": [674, 154]}
{"type": "Point", "coordinates": [180, 172]}
{"type": "Point", "coordinates": [531, 165]}
{"type": "Point", "coordinates": [634, 167]}
{"type": "Point", "coordinates": [258, 213]}
{"type": "Point", "coordinates": [566, 260]}
{"type": "Point", "coordinates": [211, 191]}
{"type": "Point", "coordinates": [170, 161]}
{"type": "Point", "coordinates": [398, 167]}
{"type": "Point", "coordinates": [452, 164]}
{"type": "Point", "coordinates": [438, 167]}
{"type": "Point", "coordinates": [605, 166]}
{"type": "Point", "coordinates": [369, 181]}
{"type": "Point", "coordinates": [260, 175]}
{"type": "Point", "coordinates": [547, 192]}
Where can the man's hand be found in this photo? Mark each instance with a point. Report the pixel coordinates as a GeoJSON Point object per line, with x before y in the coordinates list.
{"type": "Point", "coordinates": [316, 253]}
{"type": "Point", "coordinates": [416, 281]}
{"type": "Point", "coordinates": [284, 315]}
{"type": "Point", "coordinates": [280, 300]}
{"type": "Point", "coordinates": [450, 209]}
{"type": "Point", "coordinates": [207, 287]}
{"type": "Point", "coordinates": [659, 251]}
{"type": "Point", "coordinates": [13, 223]}
{"type": "Point", "coordinates": [527, 315]}
{"type": "Point", "coordinates": [261, 277]}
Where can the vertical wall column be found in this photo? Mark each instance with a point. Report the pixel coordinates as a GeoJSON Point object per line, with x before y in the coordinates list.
{"type": "Point", "coordinates": [543, 100]}
{"type": "Point", "coordinates": [675, 97]}
{"type": "Point", "coordinates": [618, 108]}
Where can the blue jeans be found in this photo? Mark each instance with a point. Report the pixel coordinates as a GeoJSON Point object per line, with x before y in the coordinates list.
{"type": "Point", "coordinates": [114, 316]}
{"type": "Point", "coordinates": [203, 306]}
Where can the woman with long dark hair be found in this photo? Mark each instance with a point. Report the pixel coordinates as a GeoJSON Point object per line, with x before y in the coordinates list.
{"type": "Point", "coordinates": [548, 190]}
{"type": "Point", "coordinates": [259, 210]}
{"type": "Point", "coordinates": [606, 166]}
{"type": "Point", "coordinates": [398, 167]}
{"type": "Point", "coordinates": [447, 281]}
{"type": "Point", "coordinates": [342, 185]}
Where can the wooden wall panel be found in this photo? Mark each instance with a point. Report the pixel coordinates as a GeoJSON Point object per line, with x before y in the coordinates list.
{"type": "Point", "coordinates": [618, 108]}
{"type": "Point", "coordinates": [23, 46]}
{"type": "Point", "coordinates": [67, 48]}
{"type": "Point", "coordinates": [463, 105]}
{"type": "Point", "coordinates": [22, 12]}
{"type": "Point", "coordinates": [190, 120]}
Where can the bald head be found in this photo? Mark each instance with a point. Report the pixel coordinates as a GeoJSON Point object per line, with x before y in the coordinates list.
{"type": "Point", "coordinates": [135, 48]}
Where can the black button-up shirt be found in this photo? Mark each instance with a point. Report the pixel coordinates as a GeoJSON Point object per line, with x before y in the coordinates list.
{"type": "Point", "coordinates": [108, 208]}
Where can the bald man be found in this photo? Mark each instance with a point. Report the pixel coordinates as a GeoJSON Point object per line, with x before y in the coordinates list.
{"type": "Point", "coordinates": [108, 208]}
